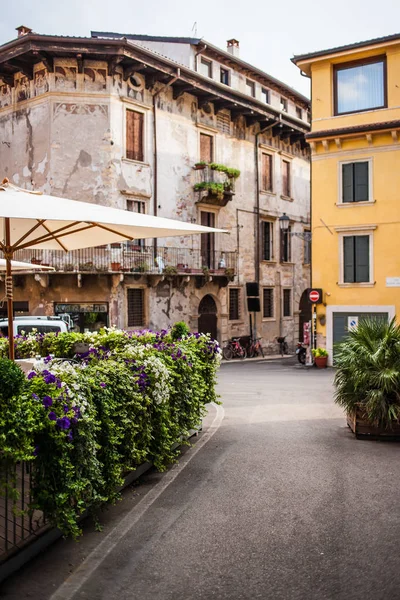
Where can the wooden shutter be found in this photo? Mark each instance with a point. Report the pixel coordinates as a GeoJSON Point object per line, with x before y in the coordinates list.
{"type": "Point", "coordinates": [347, 183]}
{"type": "Point", "coordinates": [266, 172]}
{"type": "Point", "coordinates": [233, 304]}
{"type": "Point", "coordinates": [348, 259]}
{"type": "Point", "coordinates": [135, 307]}
{"type": "Point", "coordinates": [134, 135]}
{"type": "Point", "coordinates": [361, 192]}
{"type": "Point", "coordinates": [268, 303]}
{"type": "Point", "coordinates": [206, 148]}
{"type": "Point", "coordinates": [361, 258]}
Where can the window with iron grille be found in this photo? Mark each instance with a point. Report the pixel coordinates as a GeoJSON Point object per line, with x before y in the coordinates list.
{"type": "Point", "coordinates": [287, 303]}
{"type": "Point", "coordinates": [206, 147]}
{"type": "Point", "coordinates": [135, 298]}
{"type": "Point", "coordinates": [267, 238]}
{"type": "Point", "coordinates": [286, 246]}
{"type": "Point", "coordinates": [134, 135]}
{"type": "Point", "coordinates": [266, 172]}
{"type": "Point", "coordinates": [234, 307]}
{"type": "Point", "coordinates": [268, 303]}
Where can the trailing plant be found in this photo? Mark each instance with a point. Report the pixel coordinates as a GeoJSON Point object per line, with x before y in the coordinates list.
{"type": "Point", "coordinates": [84, 424]}
{"type": "Point", "coordinates": [368, 371]}
{"type": "Point", "coordinates": [215, 189]}
{"type": "Point", "coordinates": [230, 172]}
{"type": "Point", "coordinates": [170, 270]}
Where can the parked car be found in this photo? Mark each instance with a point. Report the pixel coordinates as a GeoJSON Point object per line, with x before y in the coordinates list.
{"type": "Point", "coordinates": [31, 323]}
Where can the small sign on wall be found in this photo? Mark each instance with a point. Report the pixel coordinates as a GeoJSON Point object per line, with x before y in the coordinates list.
{"type": "Point", "coordinates": [392, 281]}
{"type": "Point", "coordinates": [352, 323]}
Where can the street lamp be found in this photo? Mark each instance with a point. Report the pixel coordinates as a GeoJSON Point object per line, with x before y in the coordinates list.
{"type": "Point", "coordinates": [284, 222]}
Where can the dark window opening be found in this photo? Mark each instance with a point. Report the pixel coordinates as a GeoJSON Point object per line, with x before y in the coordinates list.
{"type": "Point", "coordinates": [266, 240]}
{"type": "Point", "coordinates": [265, 95]}
{"type": "Point", "coordinates": [135, 307]}
{"type": "Point", "coordinates": [287, 303]}
{"type": "Point", "coordinates": [224, 76]}
{"type": "Point", "coordinates": [286, 249]}
{"type": "Point", "coordinates": [234, 295]}
{"type": "Point", "coordinates": [250, 87]}
{"type": "Point", "coordinates": [268, 303]}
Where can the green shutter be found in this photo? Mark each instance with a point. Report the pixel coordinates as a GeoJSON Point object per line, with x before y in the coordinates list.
{"type": "Point", "coordinates": [361, 182]}
{"type": "Point", "coordinates": [362, 258]}
{"type": "Point", "coordinates": [347, 182]}
{"type": "Point", "coordinates": [348, 258]}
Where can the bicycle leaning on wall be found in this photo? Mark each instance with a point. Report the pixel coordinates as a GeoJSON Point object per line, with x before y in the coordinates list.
{"type": "Point", "coordinates": [233, 349]}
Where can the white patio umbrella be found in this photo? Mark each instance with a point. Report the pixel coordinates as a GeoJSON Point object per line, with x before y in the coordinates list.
{"type": "Point", "coordinates": [30, 219]}
{"type": "Point", "coordinates": [17, 265]}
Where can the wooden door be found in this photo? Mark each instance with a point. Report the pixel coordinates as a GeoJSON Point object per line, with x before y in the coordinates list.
{"type": "Point", "coordinates": [208, 241]}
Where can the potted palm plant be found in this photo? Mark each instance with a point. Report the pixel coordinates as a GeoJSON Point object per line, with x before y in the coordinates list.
{"type": "Point", "coordinates": [367, 378]}
{"type": "Point", "coordinates": [320, 357]}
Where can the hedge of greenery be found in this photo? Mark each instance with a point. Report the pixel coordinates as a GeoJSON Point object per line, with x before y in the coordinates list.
{"type": "Point", "coordinates": [85, 424]}
{"type": "Point", "coordinates": [368, 371]}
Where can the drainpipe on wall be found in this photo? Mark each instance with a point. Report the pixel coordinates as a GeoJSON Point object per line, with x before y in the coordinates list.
{"type": "Point", "coordinates": [155, 159]}
{"type": "Point", "coordinates": [257, 211]}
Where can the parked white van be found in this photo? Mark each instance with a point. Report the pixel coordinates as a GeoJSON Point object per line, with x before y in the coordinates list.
{"type": "Point", "coordinates": [38, 324]}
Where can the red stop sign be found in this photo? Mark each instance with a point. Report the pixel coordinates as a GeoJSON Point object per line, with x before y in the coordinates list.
{"type": "Point", "coordinates": [314, 296]}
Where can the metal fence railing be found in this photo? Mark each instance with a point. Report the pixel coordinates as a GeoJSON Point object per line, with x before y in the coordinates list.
{"type": "Point", "coordinates": [132, 258]}
{"type": "Point", "coordinates": [18, 522]}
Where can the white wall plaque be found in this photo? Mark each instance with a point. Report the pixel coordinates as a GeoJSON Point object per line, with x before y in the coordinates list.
{"type": "Point", "coordinates": [392, 281]}
{"type": "Point", "coordinates": [352, 323]}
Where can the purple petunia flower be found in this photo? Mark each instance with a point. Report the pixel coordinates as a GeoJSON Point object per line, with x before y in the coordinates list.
{"type": "Point", "coordinates": [70, 436]}
{"type": "Point", "coordinates": [64, 423]}
{"type": "Point", "coordinates": [50, 378]}
{"type": "Point", "coordinates": [47, 401]}
{"type": "Point", "coordinates": [36, 450]}
{"type": "Point", "coordinates": [35, 397]}
{"type": "Point", "coordinates": [66, 408]}
{"type": "Point", "coordinates": [52, 416]}
{"type": "Point", "coordinates": [32, 374]}
{"type": "Point", "coordinates": [103, 385]}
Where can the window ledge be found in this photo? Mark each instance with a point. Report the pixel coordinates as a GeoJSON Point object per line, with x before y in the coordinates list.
{"type": "Point", "coordinates": [287, 263]}
{"type": "Point", "coordinates": [268, 319]}
{"type": "Point", "coordinates": [268, 192]}
{"type": "Point", "coordinates": [135, 162]}
{"type": "Point", "coordinates": [347, 204]}
{"type": "Point", "coordinates": [287, 318]}
{"type": "Point", "coordinates": [268, 262]}
{"type": "Point", "coordinates": [287, 198]}
{"type": "Point", "coordinates": [235, 322]}
{"type": "Point", "coordinates": [363, 284]}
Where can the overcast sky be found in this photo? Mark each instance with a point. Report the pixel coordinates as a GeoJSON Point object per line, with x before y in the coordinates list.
{"type": "Point", "coordinates": [269, 32]}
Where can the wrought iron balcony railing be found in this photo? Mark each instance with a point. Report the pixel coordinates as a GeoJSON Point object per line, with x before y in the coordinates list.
{"type": "Point", "coordinates": [134, 259]}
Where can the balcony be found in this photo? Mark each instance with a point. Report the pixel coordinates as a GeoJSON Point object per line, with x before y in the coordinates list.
{"type": "Point", "coordinates": [124, 258]}
{"type": "Point", "coordinates": [215, 184]}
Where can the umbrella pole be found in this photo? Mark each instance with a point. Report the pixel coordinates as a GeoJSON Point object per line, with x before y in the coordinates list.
{"type": "Point", "coordinates": [9, 290]}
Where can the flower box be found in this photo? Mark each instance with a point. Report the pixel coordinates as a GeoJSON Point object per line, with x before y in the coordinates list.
{"type": "Point", "coordinates": [115, 266]}
{"type": "Point", "coordinates": [363, 429]}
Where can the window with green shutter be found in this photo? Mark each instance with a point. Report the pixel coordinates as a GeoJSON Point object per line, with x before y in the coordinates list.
{"type": "Point", "coordinates": [356, 267]}
{"type": "Point", "coordinates": [355, 182]}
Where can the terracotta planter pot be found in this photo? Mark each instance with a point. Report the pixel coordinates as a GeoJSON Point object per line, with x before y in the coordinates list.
{"type": "Point", "coordinates": [115, 266]}
{"type": "Point", "coordinates": [321, 362]}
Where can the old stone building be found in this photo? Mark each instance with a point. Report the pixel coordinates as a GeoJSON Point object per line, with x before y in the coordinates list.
{"type": "Point", "coordinates": [173, 127]}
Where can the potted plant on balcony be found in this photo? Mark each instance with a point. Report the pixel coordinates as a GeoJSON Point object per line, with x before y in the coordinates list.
{"type": "Point", "coordinates": [68, 267]}
{"type": "Point", "coordinates": [320, 357]}
{"type": "Point", "coordinates": [170, 270]}
{"type": "Point", "coordinates": [367, 378]}
{"type": "Point", "coordinates": [200, 165]}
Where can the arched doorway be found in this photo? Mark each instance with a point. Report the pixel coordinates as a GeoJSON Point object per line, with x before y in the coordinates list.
{"type": "Point", "coordinates": [304, 312]}
{"type": "Point", "coordinates": [208, 316]}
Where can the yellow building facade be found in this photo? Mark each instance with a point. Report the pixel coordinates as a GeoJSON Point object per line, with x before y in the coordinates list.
{"type": "Point", "coordinates": [355, 177]}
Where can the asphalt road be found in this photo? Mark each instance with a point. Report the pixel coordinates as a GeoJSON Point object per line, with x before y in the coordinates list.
{"type": "Point", "coordinates": [281, 503]}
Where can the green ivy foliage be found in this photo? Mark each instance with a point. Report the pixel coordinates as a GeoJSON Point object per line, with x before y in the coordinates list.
{"type": "Point", "coordinates": [85, 424]}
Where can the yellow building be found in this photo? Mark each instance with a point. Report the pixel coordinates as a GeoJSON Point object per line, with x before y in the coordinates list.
{"type": "Point", "coordinates": [355, 143]}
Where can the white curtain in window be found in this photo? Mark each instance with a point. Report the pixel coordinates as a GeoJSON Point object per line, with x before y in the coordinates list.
{"type": "Point", "coordinates": [360, 88]}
